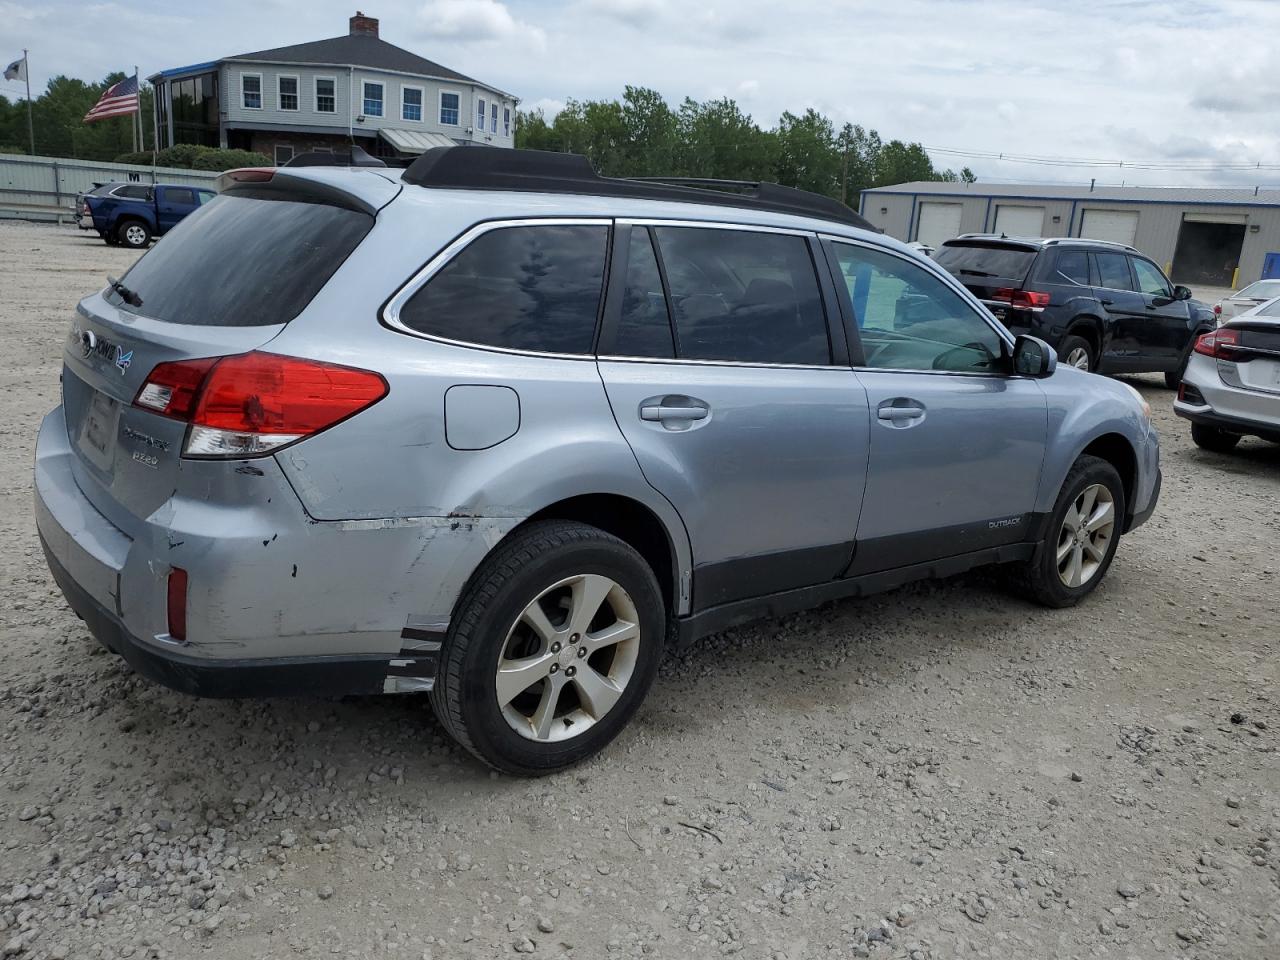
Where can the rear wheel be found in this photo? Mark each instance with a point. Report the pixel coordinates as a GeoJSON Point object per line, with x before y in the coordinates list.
{"type": "Point", "coordinates": [1080, 538]}
{"type": "Point", "coordinates": [554, 645]}
{"type": "Point", "coordinates": [134, 233]}
{"type": "Point", "coordinates": [1211, 438]}
{"type": "Point", "coordinates": [1078, 352]}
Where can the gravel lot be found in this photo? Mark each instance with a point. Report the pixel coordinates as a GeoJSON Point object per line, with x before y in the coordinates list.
{"type": "Point", "coordinates": [937, 772]}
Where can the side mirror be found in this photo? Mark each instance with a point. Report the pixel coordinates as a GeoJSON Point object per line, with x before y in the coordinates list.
{"type": "Point", "coordinates": [1181, 293]}
{"type": "Point", "coordinates": [1032, 357]}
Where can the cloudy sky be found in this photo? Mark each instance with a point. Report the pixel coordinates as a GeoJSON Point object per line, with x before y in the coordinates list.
{"type": "Point", "coordinates": [1174, 83]}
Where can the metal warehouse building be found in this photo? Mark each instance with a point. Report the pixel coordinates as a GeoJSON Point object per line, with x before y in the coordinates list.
{"type": "Point", "coordinates": [1207, 237]}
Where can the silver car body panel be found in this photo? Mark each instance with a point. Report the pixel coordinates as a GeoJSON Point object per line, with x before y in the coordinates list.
{"type": "Point", "coordinates": [340, 543]}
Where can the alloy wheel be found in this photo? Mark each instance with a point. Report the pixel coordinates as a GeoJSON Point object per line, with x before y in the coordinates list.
{"type": "Point", "coordinates": [1085, 535]}
{"type": "Point", "coordinates": [1078, 358]}
{"type": "Point", "coordinates": [568, 658]}
{"type": "Point", "coordinates": [135, 235]}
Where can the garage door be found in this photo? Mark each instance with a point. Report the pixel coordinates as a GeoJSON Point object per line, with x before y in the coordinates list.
{"type": "Point", "coordinates": [938, 222]}
{"type": "Point", "coordinates": [1017, 221]}
{"type": "Point", "coordinates": [1117, 226]}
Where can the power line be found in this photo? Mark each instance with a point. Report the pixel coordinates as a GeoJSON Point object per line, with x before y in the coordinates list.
{"type": "Point", "coordinates": [1203, 166]}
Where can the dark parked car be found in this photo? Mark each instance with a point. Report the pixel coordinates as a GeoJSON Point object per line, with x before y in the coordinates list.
{"type": "Point", "coordinates": [1104, 306]}
{"type": "Point", "coordinates": [134, 213]}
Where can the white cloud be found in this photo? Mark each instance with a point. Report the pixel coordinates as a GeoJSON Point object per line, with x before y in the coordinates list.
{"type": "Point", "coordinates": [476, 21]}
{"type": "Point", "coordinates": [637, 13]}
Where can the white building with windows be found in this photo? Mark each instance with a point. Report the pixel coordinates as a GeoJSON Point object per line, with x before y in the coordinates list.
{"type": "Point", "coordinates": [327, 94]}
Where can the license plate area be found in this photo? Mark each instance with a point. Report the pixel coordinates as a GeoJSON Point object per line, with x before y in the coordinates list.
{"type": "Point", "coordinates": [99, 430]}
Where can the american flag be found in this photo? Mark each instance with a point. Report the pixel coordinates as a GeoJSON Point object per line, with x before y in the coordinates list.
{"type": "Point", "coordinates": [118, 100]}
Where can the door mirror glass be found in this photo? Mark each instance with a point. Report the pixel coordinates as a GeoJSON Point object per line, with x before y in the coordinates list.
{"type": "Point", "coordinates": [1033, 357]}
{"type": "Point", "coordinates": [1181, 293]}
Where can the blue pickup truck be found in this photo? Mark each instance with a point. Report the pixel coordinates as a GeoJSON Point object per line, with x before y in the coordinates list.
{"type": "Point", "coordinates": [131, 218]}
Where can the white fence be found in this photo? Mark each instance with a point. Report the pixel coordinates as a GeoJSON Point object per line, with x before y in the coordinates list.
{"type": "Point", "coordinates": [46, 187]}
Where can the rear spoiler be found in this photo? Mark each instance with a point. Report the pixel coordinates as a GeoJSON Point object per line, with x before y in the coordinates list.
{"type": "Point", "coordinates": [276, 183]}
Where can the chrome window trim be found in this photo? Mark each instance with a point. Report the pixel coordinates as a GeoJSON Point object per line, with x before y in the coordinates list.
{"type": "Point", "coordinates": [712, 225]}
{"type": "Point", "coordinates": [956, 287]}
{"type": "Point", "coordinates": [391, 312]}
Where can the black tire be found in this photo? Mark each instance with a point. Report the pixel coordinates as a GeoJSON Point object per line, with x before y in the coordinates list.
{"type": "Point", "coordinates": [1038, 578]}
{"type": "Point", "coordinates": [1071, 344]}
{"type": "Point", "coordinates": [1173, 378]}
{"type": "Point", "coordinates": [134, 234]}
{"type": "Point", "coordinates": [1211, 438]}
{"type": "Point", "coordinates": [517, 572]}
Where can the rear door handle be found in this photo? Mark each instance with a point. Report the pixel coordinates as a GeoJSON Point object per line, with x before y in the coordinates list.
{"type": "Point", "coordinates": [654, 413]}
{"type": "Point", "coordinates": [900, 413]}
{"type": "Point", "coordinates": [1106, 303]}
{"type": "Point", "coordinates": [674, 411]}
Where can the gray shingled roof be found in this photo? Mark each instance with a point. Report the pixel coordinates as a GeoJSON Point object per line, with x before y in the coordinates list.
{"type": "Point", "coordinates": [361, 50]}
{"type": "Point", "coordinates": [1040, 191]}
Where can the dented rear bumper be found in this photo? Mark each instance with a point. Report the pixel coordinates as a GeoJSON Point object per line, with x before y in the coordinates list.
{"type": "Point", "coordinates": [277, 603]}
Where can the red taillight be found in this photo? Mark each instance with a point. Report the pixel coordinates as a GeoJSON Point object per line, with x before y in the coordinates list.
{"type": "Point", "coordinates": [253, 403]}
{"type": "Point", "coordinates": [1217, 309]}
{"type": "Point", "coordinates": [1217, 343]}
{"type": "Point", "coordinates": [177, 603]}
{"type": "Point", "coordinates": [171, 388]}
{"type": "Point", "coordinates": [251, 174]}
{"type": "Point", "coordinates": [1022, 299]}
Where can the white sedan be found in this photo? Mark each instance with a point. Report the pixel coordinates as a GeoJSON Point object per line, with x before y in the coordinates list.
{"type": "Point", "coordinates": [1231, 387]}
{"type": "Point", "coordinates": [1251, 296]}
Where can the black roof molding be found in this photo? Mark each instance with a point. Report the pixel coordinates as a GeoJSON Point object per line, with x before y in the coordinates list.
{"type": "Point", "coordinates": [543, 171]}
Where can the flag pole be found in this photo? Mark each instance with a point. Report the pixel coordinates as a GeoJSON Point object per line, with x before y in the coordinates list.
{"type": "Point", "coordinates": [31, 125]}
{"type": "Point", "coordinates": [137, 112]}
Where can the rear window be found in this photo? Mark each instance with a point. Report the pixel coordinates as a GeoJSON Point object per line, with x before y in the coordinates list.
{"type": "Point", "coordinates": [244, 262]}
{"type": "Point", "coordinates": [1260, 289]}
{"type": "Point", "coordinates": [1271, 309]}
{"type": "Point", "coordinates": [136, 191]}
{"type": "Point", "coordinates": [968, 261]}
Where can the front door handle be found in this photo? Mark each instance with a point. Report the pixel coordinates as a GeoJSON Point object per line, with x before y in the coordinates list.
{"type": "Point", "coordinates": [1106, 303]}
{"type": "Point", "coordinates": [900, 412]}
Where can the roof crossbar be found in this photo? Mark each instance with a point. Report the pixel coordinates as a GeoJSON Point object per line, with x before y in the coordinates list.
{"type": "Point", "coordinates": [544, 171]}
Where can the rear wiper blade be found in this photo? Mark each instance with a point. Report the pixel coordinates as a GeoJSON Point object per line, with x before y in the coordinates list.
{"type": "Point", "coordinates": [127, 295]}
{"type": "Point", "coordinates": [976, 273]}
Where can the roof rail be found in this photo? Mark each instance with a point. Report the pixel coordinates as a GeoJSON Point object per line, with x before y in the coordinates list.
{"type": "Point", "coordinates": [545, 171]}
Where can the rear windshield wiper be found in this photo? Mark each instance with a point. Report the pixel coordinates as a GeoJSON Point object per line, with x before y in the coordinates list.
{"type": "Point", "coordinates": [127, 295]}
{"type": "Point", "coordinates": [976, 273]}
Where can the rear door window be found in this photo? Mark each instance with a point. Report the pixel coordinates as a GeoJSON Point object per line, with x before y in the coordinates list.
{"type": "Point", "coordinates": [644, 326]}
{"type": "Point", "coordinates": [743, 296]}
{"type": "Point", "coordinates": [531, 287]}
{"type": "Point", "coordinates": [180, 196]}
{"type": "Point", "coordinates": [244, 262]}
{"type": "Point", "coordinates": [1113, 271]}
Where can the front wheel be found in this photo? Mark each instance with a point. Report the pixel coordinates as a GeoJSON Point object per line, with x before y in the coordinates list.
{"type": "Point", "coordinates": [555, 642]}
{"type": "Point", "coordinates": [1213, 439]}
{"type": "Point", "coordinates": [134, 233]}
{"type": "Point", "coordinates": [1080, 538]}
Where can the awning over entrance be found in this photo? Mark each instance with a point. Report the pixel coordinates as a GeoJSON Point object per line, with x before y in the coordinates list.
{"type": "Point", "coordinates": [415, 141]}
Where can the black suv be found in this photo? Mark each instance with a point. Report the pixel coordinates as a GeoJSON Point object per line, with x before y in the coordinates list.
{"type": "Point", "coordinates": [1104, 306]}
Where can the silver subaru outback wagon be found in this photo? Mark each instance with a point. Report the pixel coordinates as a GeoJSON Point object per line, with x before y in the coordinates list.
{"type": "Point", "coordinates": [498, 429]}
